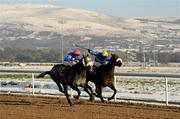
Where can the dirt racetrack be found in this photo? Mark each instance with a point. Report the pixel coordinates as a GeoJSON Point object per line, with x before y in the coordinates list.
{"type": "Point", "coordinates": [32, 107]}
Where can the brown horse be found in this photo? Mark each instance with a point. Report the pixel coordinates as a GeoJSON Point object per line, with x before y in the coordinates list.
{"type": "Point", "coordinates": [104, 76]}
{"type": "Point", "coordinates": [74, 77]}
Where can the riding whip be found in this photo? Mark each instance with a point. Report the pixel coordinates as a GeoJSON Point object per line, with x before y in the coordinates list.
{"type": "Point", "coordinates": [81, 47]}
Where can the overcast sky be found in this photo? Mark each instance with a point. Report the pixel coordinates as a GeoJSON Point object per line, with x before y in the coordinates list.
{"type": "Point", "coordinates": [116, 7]}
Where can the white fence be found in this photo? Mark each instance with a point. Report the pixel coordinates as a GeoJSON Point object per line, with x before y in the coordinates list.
{"type": "Point", "coordinates": [162, 75]}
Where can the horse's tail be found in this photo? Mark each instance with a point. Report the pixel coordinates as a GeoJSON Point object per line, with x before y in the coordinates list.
{"type": "Point", "coordinates": [43, 74]}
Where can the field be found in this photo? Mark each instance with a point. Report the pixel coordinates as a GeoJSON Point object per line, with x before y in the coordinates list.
{"type": "Point", "coordinates": [30, 107]}
{"type": "Point", "coordinates": [138, 88]}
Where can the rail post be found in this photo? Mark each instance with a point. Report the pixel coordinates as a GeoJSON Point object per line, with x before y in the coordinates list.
{"type": "Point", "coordinates": [166, 90]}
{"type": "Point", "coordinates": [115, 87]}
{"type": "Point", "coordinates": [71, 92]}
{"type": "Point", "coordinates": [33, 90]}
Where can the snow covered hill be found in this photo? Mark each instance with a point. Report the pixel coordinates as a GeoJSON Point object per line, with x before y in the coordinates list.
{"type": "Point", "coordinates": [42, 22]}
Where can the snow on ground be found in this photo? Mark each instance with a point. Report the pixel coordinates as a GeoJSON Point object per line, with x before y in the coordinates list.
{"type": "Point", "coordinates": [138, 89]}
{"type": "Point", "coordinates": [163, 69]}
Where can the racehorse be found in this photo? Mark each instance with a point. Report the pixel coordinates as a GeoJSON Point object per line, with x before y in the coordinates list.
{"type": "Point", "coordinates": [104, 76]}
{"type": "Point", "coordinates": [73, 76]}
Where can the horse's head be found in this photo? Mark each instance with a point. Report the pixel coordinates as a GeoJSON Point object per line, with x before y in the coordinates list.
{"type": "Point", "coordinates": [116, 60]}
{"type": "Point", "coordinates": [87, 62]}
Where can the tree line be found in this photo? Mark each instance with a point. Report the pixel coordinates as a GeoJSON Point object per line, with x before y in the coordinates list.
{"type": "Point", "coordinates": [28, 55]}
{"type": "Point", "coordinates": [55, 56]}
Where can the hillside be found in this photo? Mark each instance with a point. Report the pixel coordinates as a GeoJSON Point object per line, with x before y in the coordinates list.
{"type": "Point", "coordinates": [36, 25]}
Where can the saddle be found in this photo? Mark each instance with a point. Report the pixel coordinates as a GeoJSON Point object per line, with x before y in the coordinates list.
{"type": "Point", "coordinates": [64, 70]}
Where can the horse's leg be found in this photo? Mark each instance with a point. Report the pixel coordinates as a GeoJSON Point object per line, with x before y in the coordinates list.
{"type": "Point", "coordinates": [76, 89]}
{"type": "Point", "coordinates": [115, 91]}
{"type": "Point", "coordinates": [91, 91]}
{"type": "Point", "coordinates": [66, 94]}
{"type": "Point", "coordinates": [59, 86]}
{"type": "Point", "coordinates": [86, 87]}
{"type": "Point", "coordinates": [99, 91]}
{"type": "Point", "coordinates": [95, 93]}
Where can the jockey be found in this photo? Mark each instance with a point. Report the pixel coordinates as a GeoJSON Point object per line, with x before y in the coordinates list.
{"type": "Point", "coordinates": [72, 57]}
{"type": "Point", "coordinates": [101, 58]}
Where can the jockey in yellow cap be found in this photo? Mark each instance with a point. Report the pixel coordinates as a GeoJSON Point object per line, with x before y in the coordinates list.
{"type": "Point", "coordinates": [101, 58]}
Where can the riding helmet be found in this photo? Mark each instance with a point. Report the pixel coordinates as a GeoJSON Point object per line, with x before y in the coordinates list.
{"type": "Point", "coordinates": [76, 52]}
{"type": "Point", "coordinates": [104, 53]}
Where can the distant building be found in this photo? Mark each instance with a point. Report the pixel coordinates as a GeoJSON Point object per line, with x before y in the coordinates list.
{"type": "Point", "coordinates": [176, 50]}
{"type": "Point", "coordinates": [42, 48]}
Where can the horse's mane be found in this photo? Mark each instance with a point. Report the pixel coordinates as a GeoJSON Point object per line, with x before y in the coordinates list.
{"type": "Point", "coordinates": [78, 67]}
{"type": "Point", "coordinates": [110, 64]}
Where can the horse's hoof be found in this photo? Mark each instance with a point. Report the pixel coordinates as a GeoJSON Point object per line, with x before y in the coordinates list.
{"type": "Point", "coordinates": [110, 99]}
{"type": "Point", "coordinates": [102, 100]}
{"type": "Point", "coordinates": [95, 94]}
{"type": "Point", "coordinates": [76, 97]}
{"type": "Point", "coordinates": [70, 104]}
{"type": "Point", "coordinates": [91, 98]}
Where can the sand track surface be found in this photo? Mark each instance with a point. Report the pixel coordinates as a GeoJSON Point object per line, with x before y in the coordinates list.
{"type": "Point", "coordinates": [33, 107]}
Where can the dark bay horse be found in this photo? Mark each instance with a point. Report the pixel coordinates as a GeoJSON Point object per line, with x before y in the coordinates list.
{"type": "Point", "coordinates": [74, 77]}
{"type": "Point", "coordinates": [104, 76]}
